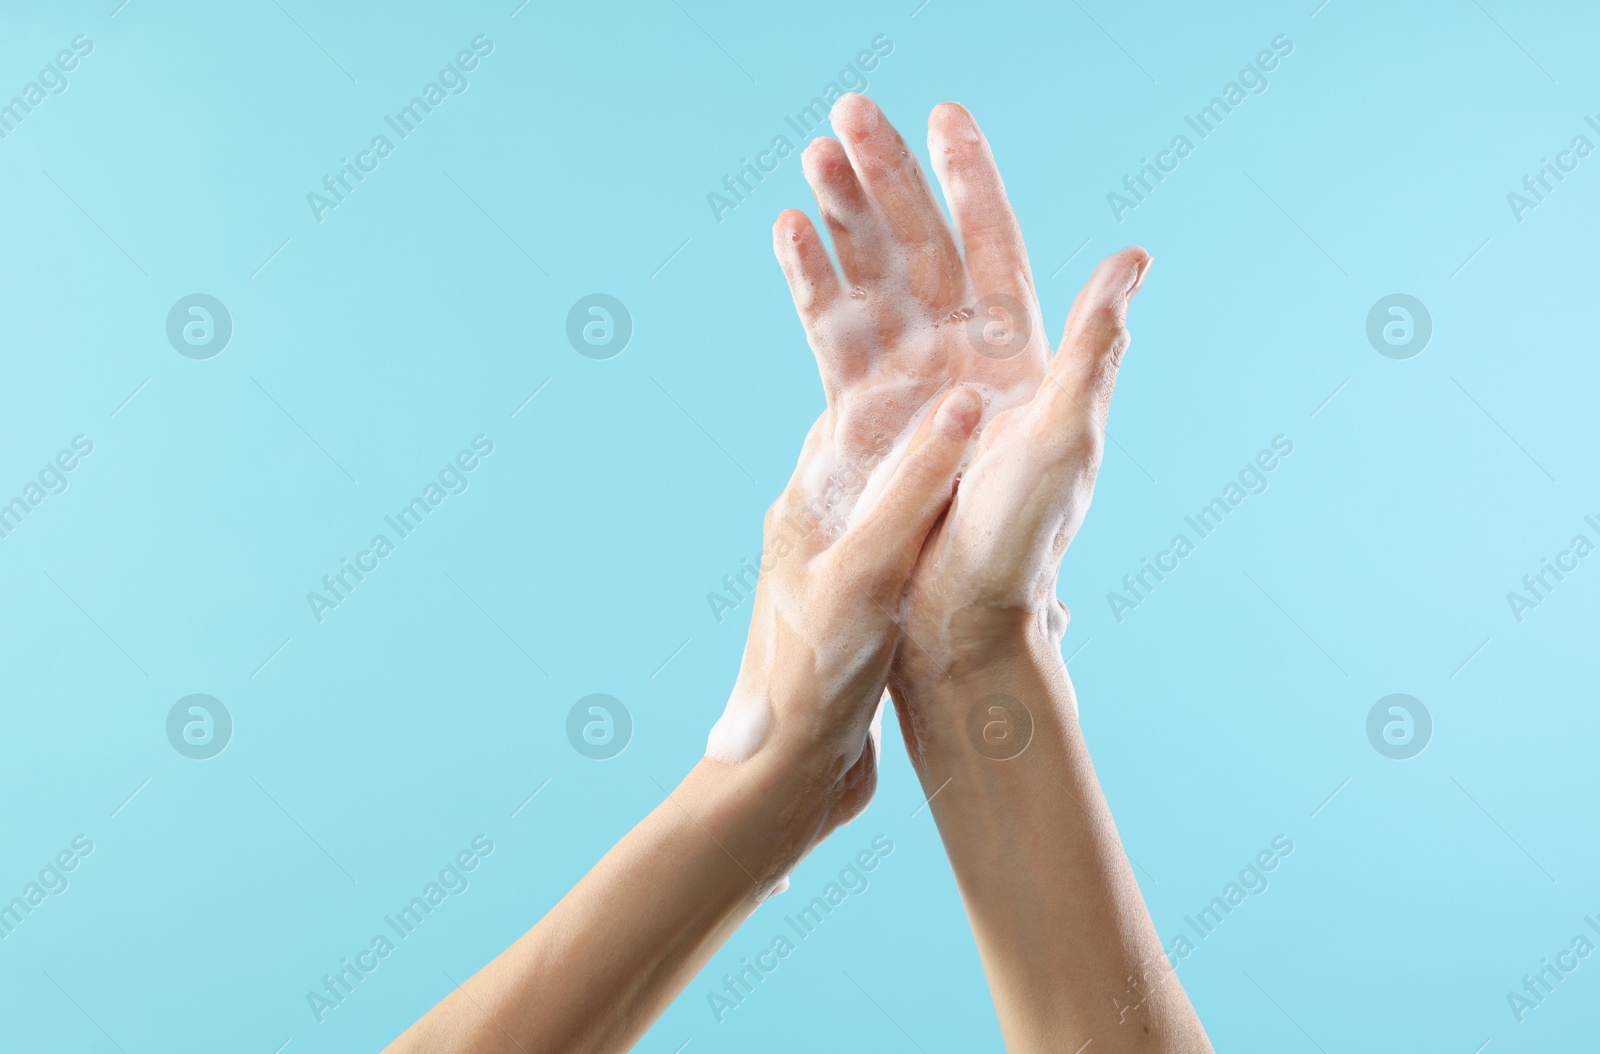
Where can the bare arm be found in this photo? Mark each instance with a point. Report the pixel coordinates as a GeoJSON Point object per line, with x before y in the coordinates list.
{"type": "Point", "coordinates": [1067, 944]}
{"type": "Point", "coordinates": [596, 971]}
{"type": "Point", "coordinates": [793, 757]}
{"type": "Point", "coordinates": [1066, 941]}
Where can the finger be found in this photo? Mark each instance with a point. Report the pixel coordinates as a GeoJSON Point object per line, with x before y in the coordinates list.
{"type": "Point", "coordinates": [805, 264]}
{"type": "Point", "coordinates": [860, 234]}
{"type": "Point", "coordinates": [882, 546]}
{"type": "Point", "coordinates": [815, 288]}
{"type": "Point", "coordinates": [893, 180]}
{"type": "Point", "coordinates": [991, 240]}
{"type": "Point", "coordinates": [1078, 387]}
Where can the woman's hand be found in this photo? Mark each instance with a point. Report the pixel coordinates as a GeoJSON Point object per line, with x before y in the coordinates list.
{"type": "Point", "coordinates": [791, 759]}
{"type": "Point", "coordinates": [823, 631]}
{"type": "Point", "coordinates": [1069, 949]}
{"type": "Point", "coordinates": [869, 507]}
{"type": "Point", "coordinates": [911, 316]}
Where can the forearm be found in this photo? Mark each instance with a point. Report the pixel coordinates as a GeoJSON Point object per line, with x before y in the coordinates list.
{"type": "Point", "coordinates": [798, 757]}
{"type": "Point", "coordinates": [1067, 944]}
{"type": "Point", "coordinates": [598, 969]}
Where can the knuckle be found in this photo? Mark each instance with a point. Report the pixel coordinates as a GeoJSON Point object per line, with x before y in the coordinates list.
{"type": "Point", "coordinates": [1106, 325]}
{"type": "Point", "coordinates": [1118, 346]}
{"type": "Point", "coordinates": [1082, 445]}
{"type": "Point", "coordinates": [770, 520]}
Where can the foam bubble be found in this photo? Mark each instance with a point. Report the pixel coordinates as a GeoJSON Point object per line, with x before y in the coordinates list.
{"type": "Point", "coordinates": [773, 888]}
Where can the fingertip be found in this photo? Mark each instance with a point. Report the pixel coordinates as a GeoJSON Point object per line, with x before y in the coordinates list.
{"type": "Point", "coordinates": [953, 137]}
{"type": "Point", "coordinates": [855, 115]}
{"type": "Point", "coordinates": [958, 414]}
{"type": "Point", "coordinates": [822, 158]}
{"type": "Point", "coordinates": [1145, 263]}
{"type": "Point", "coordinates": [791, 225]}
{"type": "Point", "coordinates": [822, 145]}
{"type": "Point", "coordinates": [950, 118]}
{"type": "Point", "coordinates": [1118, 276]}
{"type": "Point", "coordinates": [1126, 269]}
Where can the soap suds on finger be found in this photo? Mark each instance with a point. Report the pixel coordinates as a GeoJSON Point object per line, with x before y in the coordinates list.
{"type": "Point", "coordinates": [911, 327]}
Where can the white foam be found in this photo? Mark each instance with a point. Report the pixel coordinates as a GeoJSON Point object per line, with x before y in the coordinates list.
{"type": "Point", "coordinates": [888, 392]}
{"type": "Point", "coordinates": [773, 888]}
{"type": "Point", "coordinates": [741, 729]}
{"type": "Point", "coordinates": [995, 400]}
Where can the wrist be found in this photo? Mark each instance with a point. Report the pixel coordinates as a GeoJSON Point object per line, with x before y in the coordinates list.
{"type": "Point", "coordinates": [780, 798]}
{"type": "Point", "coordinates": [1004, 647]}
{"type": "Point", "coordinates": [986, 706]}
{"type": "Point", "coordinates": [963, 631]}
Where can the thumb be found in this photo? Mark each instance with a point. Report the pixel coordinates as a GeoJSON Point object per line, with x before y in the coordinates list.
{"type": "Point", "coordinates": [882, 548]}
{"type": "Point", "coordinates": [1084, 370]}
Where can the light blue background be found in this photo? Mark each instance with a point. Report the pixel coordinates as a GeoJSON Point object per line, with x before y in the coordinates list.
{"type": "Point", "coordinates": [376, 745]}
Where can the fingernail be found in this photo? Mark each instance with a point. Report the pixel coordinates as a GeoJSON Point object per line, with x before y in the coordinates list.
{"type": "Point", "coordinates": [958, 415]}
{"type": "Point", "coordinates": [1138, 279]}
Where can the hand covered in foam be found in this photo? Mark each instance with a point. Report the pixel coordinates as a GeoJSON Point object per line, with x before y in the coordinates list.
{"type": "Point", "coordinates": [907, 317]}
{"type": "Point", "coordinates": [822, 632]}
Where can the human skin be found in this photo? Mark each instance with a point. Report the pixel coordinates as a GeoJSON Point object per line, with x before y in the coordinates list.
{"type": "Point", "coordinates": [599, 967]}
{"type": "Point", "coordinates": [873, 575]}
{"type": "Point", "coordinates": [1066, 942]}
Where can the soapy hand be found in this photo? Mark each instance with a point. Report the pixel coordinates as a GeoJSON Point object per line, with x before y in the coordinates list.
{"type": "Point", "coordinates": [1056, 911]}
{"type": "Point", "coordinates": [916, 545]}
{"type": "Point", "coordinates": [822, 631]}
{"type": "Point", "coordinates": [908, 317]}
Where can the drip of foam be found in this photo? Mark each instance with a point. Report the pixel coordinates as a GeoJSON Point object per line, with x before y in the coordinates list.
{"type": "Point", "coordinates": [772, 889]}
{"type": "Point", "coordinates": [741, 728]}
